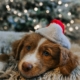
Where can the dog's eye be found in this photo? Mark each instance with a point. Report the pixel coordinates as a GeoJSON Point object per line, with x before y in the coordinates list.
{"type": "Point", "coordinates": [28, 47]}
{"type": "Point", "coordinates": [45, 53]}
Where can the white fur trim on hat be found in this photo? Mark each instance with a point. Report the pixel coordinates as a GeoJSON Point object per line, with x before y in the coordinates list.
{"type": "Point", "coordinates": [54, 33]}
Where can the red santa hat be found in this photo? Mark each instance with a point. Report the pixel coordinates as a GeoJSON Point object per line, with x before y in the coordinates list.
{"type": "Point", "coordinates": [59, 23]}
{"type": "Point", "coordinates": [55, 33]}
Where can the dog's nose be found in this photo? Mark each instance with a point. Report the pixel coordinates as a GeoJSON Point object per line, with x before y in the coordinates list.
{"type": "Point", "coordinates": [26, 66]}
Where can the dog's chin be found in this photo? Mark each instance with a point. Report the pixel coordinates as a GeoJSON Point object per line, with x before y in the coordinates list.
{"type": "Point", "coordinates": [34, 76]}
{"type": "Point", "coordinates": [29, 77]}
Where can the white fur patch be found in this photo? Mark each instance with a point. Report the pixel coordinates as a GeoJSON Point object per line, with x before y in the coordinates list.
{"type": "Point", "coordinates": [31, 57]}
{"type": "Point", "coordinates": [2, 65]}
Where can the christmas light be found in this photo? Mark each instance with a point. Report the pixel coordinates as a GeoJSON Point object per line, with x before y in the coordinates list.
{"type": "Point", "coordinates": [76, 27]}
{"type": "Point", "coordinates": [68, 24]}
{"type": "Point", "coordinates": [70, 29]}
{"type": "Point", "coordinates": [69, 13]}
{"type": "Point", "coordinates": [47, 11]}
{"type": "Point", "coordinates": [72, 21]}
{"type": "Point", "coordinates": [19, 14]}
{"type": "Point", "coordinates": [51, 0]}
{"type": "Point", "coordinates": [1, 18]}
{"type": "Point", "coordinates": [35, 8]}
{"type": "Point", "coordinates": [60, 16]}
{"type": "Point", "coordinates": [34, 20]}
{"type": "Point", "coordinates": [40, 3]}
{"type": "Point", "coordinates": [59, 2]}
{"type": "Point", "coordinates": [11, 0]}
{"type": "Point", "coordinates": [37, 27]}
{"type": "Point", "coordinates": [7, 6]}
{"type": "Point", "coordinates": [15, 12]}
{"type": "Point", "coordinates": [59, 10]}
{"type": "Point", "coordinates": [66, 5]}
{"type": "Point", "coordinates": [25, 11]}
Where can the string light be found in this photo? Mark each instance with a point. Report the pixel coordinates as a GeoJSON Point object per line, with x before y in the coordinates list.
{"type": "Point", "coordinates": [59, 10]}
{"type": "Point", "coordinates": [72, 21]}
{"type": "Point", "coordinates": [1, 18]}
{"type": "Point", "coordinates": [35, 8]}
{"type": "Point", "coordinates": [25, 11]}
{"type": "Point", "coordinates": [68, 24]}
{"type": "Point", "coordinates": [66, 5]}
{"type": "Point", "coordinates": [40, 3]}
{"type": "Point", "coordinates": [76, 27]}
{"type": "Point", "coordinates": [59, 2]}
{"type": "Point", "coordinates": [34, 20]}
{"type": "Point", "coordinates": [70, 29]}
{"type": "Point", "coordinates": [11, 0]}
{"type": "Point", "coordinates": [15, 12]}
{"type": "Point", "coordinates": [37, 27]}
{"type": "Point", "coordinates": [60, 16]}
{"type": "Point", "coordinates": [19, 14]}
{"type": "Point", "coordinates": [69, 13]}
{"type": "Point", "coordinates": [7, 6]}
{"type": "Point", "coordinates": [47, 11]}
{"type": "Point", "coordinates": [51, 0]}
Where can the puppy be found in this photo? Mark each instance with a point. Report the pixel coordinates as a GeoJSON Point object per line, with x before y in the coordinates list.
{"type": "Point", "coordinates": [36, 55]}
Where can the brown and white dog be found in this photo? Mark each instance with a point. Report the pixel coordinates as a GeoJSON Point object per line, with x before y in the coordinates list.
{"type": "Point", "coordinates": [36, 55]}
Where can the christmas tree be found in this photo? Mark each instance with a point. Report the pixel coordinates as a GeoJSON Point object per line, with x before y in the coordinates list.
{"type": "Point", "coordinates": [29, 15]}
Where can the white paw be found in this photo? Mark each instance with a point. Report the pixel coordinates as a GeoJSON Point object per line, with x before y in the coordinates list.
{"type": "Point", "coordinates": [2, 65]}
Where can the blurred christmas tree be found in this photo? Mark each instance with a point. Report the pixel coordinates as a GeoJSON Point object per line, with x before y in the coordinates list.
{"type": "Point", "coordinates": [27, 15]}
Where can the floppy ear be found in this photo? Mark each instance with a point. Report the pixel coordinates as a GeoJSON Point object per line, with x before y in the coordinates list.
{"type": "Point", "coordinates": [17, 47]}
{"type": "Point", "coordinates": [68, 61]}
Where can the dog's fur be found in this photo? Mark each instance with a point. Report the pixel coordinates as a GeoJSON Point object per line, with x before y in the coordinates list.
{"type": "Point", "coordinates": [37, 55]}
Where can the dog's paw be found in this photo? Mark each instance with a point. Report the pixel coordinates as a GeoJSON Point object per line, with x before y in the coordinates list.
{"type": "Point", "coordinates": [3, 61]}
{"type": "Point", "coordinates": [2, 65]}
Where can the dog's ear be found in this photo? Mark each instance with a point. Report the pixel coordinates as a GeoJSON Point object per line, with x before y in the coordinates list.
{"type": "Point", "coordinates": [68, 61]}
{"type": "Point", "coordinates": [17, 47]}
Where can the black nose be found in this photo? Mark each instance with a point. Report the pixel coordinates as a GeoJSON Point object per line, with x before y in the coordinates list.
{"type": "Point", "coordinates": [26, 66]}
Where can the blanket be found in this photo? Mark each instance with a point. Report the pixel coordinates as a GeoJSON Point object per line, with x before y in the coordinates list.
{"type": "Point", "coordinates": [11, 71]}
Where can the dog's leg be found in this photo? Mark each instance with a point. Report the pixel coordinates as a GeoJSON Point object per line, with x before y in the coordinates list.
{"type": "Point", "coordinates": [3, 61]}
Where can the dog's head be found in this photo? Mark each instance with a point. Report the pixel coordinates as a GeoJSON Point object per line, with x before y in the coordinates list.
{"type": "Point", "coordinates": [37, 55]}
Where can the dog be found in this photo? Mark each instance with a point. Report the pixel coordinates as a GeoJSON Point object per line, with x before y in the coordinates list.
{"type": "Point", "coordinates": [37, 55]}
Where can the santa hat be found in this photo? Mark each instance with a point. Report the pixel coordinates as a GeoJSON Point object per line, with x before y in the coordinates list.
{"type": "Point", "coordinates": [55, 33]}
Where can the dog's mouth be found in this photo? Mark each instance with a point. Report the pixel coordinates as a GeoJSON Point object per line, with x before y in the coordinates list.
{"type": "Point", "coordinates": [27, 76]}
{"type": "Point", "coordinates": [30, 77]}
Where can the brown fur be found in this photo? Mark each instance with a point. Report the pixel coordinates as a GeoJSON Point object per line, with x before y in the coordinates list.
{"type": "Point", "coordinates": [4, 57]}
{"type": "Point", "coordinates": [68, 61]}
